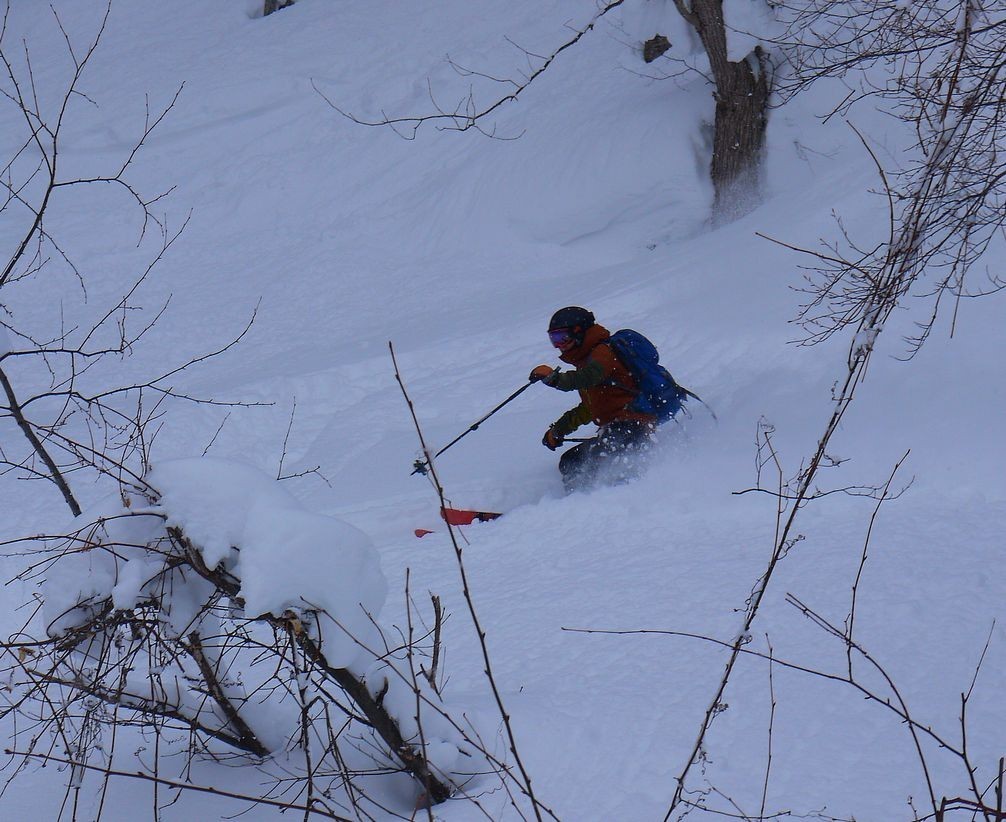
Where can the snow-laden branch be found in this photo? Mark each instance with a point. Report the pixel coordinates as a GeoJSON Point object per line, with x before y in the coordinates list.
{"type": "Point", "coordinates": [216, 604]}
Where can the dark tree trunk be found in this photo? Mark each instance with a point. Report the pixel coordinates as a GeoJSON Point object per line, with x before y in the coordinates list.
{"type": "Point", "coordinates": [739, 136]}
{"type": "Point", "coordinates": [741, 94]}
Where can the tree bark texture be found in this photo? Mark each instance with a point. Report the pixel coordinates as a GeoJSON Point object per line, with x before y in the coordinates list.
{"type": "Point", "coordinates": [271, 6]}
{"type": "Point", "coordinates": [741, 94]}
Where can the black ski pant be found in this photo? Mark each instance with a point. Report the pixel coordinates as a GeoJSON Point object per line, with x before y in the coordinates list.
{"type": "Point", "coordinates": [613, 456]}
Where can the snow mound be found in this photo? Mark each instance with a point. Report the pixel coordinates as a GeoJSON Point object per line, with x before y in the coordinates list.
{"type": "Point", "coordinates": [287, 558]}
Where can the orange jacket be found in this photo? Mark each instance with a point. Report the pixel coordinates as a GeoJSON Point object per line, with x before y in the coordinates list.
{"type": "Point", "coordinates": [599, 378]}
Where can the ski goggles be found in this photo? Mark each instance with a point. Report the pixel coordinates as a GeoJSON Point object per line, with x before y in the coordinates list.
{"type": "Point", "coordinates": [561, 338]}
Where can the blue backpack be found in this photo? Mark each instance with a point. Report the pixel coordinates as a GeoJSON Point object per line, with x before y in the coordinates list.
{"type": "Point", "coordinates": [658, 393]}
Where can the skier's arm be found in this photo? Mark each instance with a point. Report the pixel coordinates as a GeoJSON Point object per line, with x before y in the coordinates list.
{"type": "Point", "coordinates": [589, 375]}
{"type": "Point", "coordinates": [571, 420]}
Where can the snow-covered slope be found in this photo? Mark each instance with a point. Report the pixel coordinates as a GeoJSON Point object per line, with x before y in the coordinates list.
{"type": "Point", "coordinates": [457, 247]}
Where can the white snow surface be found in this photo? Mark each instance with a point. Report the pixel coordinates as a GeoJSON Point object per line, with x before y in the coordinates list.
{"type": "Point", "coordinates": [749, 23]}
{"type": "Point", "coordinates": [457, 247]}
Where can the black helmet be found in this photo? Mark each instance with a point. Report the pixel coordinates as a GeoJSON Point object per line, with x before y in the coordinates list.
{"type": "Point", "coordinates": [571, 317]}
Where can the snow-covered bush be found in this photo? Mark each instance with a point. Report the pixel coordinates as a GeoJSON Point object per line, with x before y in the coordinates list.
{"type": "Point", "coordinates": [216, 605]}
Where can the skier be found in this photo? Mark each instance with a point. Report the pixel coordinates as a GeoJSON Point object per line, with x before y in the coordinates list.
{"type": "Point", "coordinates": [607, 390]}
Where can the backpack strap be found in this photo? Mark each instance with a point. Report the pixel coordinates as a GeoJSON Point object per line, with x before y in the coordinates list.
{"type": "Point", "coordinates": [695, 396]}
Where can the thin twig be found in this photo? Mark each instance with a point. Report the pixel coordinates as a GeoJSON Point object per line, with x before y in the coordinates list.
{"type": "Point", "coordinates": [536, 805]}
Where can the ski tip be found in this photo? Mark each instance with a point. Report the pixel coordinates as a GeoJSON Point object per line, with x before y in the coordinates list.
{"type": "Point", "coordinates": [461, 516]}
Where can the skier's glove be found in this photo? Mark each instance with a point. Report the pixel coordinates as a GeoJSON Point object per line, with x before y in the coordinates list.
{"type": "Point", "coordinates": [543, 373]}
{"type": "Point", "coordinates": [551, 440]}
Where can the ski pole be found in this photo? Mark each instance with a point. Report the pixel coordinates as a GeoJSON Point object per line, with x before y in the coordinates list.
{"type": "Point", "coordinates": [421, 466]}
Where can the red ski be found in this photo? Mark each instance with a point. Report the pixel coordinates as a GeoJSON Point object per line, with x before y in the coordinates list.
{"type": "Point", "coordinates": [460, 516]}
